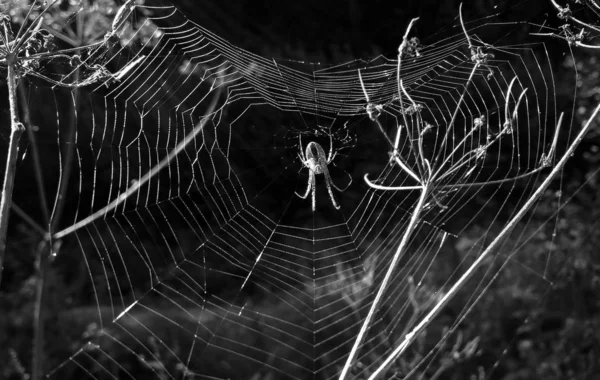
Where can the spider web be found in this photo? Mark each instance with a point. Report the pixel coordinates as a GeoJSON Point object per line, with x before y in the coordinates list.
{"type": "Point", "coordinates": [203, 261]}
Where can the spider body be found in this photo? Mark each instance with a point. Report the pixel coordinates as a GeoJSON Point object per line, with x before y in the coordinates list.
{"type": "Point", "coordinates": [316, 161]}
{"type": "Point", "coordinates": [315, 157]}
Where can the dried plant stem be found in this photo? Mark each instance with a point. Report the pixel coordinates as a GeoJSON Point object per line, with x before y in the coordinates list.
{"type": "Point", "coordinates": [16, 130]}
{"type": "Point", "coordinates": [35, 155]}
{"type": "Point", "coordinates": [412, 225]}
{"type": "Point", "coordinates": [67, 167]}
{"type": "Point", "coordinates": [570, 16]}
{"type": "Point", "coordinates": [39, 311]}
{"type": "Point", "coordinates": [35, 226]}
{"type": "Point", "coordinates": [412, 336]}
{"type": "Point", "coordinates": [42, 252]}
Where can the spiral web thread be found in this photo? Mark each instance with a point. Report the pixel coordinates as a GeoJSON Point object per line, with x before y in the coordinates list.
{"type": "Point", "coordinates": [203, 261]}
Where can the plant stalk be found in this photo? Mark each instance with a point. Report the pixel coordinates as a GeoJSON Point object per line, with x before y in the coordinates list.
{"type": "Point", "coordinates": [42, 252]}
{"type": "Point", "coordinates": [16, 130]}
{"type": "Point", "coordinates": [391, 267]}
{"type": "Point", "coordinates": [67, 167]}
{"type": "Point", "coordinates": [35, 155]}
{"type": "Point", "coordinates": [39, 312]}
{"type": "Point", "coordinates": [412, 336]}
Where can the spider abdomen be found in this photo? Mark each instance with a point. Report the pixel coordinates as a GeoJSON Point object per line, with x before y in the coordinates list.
{"type": "Point", "coordinates": [315, 159]}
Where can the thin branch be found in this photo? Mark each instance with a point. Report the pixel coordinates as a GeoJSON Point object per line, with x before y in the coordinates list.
{"type": "Point", "coordinates": [39, 312]}
{"type": "Point", "coordinates": [374, 111]}
{"type": "Point", "coordinates": [449, 156]}
{"type": "Point", "coordinates": [27, 219]}
{"type": "Point", "coordinates": [581, 44]}
{"type": "Point", "coordinates": [545, 162]}
{"type": "Point", "coordinates": [402, 49]}
{"type": "Point", "coordinates": [566, 13]}
{"type": "Point", "coordinates": [593, 6]}
{"type": "Point", "coordinates": [571, 38]}
{"type": "Point", "coordinates": [403, 166]}
{"type": "Point", "coordinates": [507, 99]}
{"type": "Point", "coordinates": [462, 24]}
{"type": "Point", "coordinates": [67, 166]}
{"type": "Point", "coordinates": [376, 120]}
{"type": "Point", "coordinates": [20, 39]}
{"type": "Point", "coordinates": [42, 252]}
{"type": "Point", "coordinates": [487, 183]}
{"type": "Point", "coordinates": [421, 154]}
{"type": "Point", "coordinates": [382, 288]}
{"type": "Point", "coordinates": [62, 52]}
{"type": "Point", "coordinates": [393, 188]}
{"type": "Point", "coordinates": [35, 155]}
{"type": "Point", "coordinates": [61, 37]}
{"type": "Point", "coordinates": [148, 176]}
{"type": "Point", "coordinates": [16, 131]}
{"type": "Point", "coordinates": [568, 40]}
{"type": "Point", "coordinates": [411, 337]}
{"type": "Point", "coordinates": [454, 116]}
{"type": "Point", "coordinates": [362, 85]}
{"type": "Point", "coordinates": [547, 158]}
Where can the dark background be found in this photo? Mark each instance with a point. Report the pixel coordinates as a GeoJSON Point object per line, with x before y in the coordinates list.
{"type": "Point", "coordinates": [554, 337]}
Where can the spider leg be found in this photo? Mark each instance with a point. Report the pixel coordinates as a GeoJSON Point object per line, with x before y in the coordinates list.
{"type": "Point", "coordinates": [311, 186]}
{"type": "Point", "coordinates": [304, 162]}
{"type": "Point", "coordinates": [331, 155]}
{"type": "Point", "coordinates": [301, 154]}
{"type": "Point", "coordinates": [329, 183]}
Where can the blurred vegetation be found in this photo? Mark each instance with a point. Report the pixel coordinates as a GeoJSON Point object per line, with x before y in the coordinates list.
{"type": "Point", "coordinates": [549, 332]}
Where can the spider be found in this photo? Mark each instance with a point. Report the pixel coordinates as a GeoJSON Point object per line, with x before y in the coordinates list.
{"type": "Point", "coordinates": [316, 161]}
